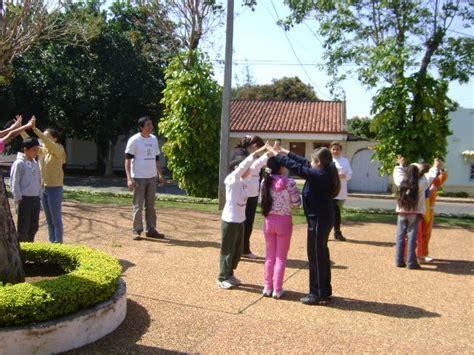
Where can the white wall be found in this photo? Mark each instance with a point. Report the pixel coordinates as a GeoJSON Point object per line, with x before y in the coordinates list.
{"type": "Point", "coordinates": [287, 138]}
{"type": "Point", "coordinates": [462, 126]}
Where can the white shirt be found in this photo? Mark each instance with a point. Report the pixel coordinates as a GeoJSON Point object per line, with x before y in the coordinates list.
{"type": "Point", "coordinates": [144, 151]}
{"type": "Point", "coordinates": [253, 181]}
{"type": "Point", "coordinates": [236, 193]}
{"type": "Point", "coordinates": [343, 167]}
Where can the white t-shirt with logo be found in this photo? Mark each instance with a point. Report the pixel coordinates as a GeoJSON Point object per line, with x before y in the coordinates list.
{"type": "Point", "coordinates": [144, 151]}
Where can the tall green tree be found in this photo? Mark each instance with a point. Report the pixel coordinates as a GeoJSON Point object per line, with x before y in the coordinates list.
{"type": "Point", "coordinates": [360, 126]}
{"type": "Point", "coordinates": [24, 24]}
{"type": "Point", "coordinates": [96, 91]}
{"type": "Point", "coordinates": [191, 124]}
{"type": "Point", "coordinates": [280, 89]}
{"type": "Point", "coordinates": [406, 48]}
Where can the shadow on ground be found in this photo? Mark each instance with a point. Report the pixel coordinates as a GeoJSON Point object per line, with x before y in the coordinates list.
{"type": "Point", "coordinates": [371, 243]}
{"type": "Point", "coordinates": [456, 267]}
{"type": "Point", "coordinates": [125, 338]}
{"type": "Point", "coordinates": [381, 308]}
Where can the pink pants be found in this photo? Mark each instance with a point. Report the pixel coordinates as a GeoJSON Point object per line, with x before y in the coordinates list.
{"type": "Point", "coordinates": [277, 231]}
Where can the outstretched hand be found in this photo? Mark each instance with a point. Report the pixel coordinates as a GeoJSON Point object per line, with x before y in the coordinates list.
{"type": "Point", "coordinates": [278, 148]}
{"type": "Point", "coordinates": [18, 120]}
{"type": "Point", "coordinates": [31, 123]}
{"type": "Point", "coordinates": [271, 150]}
{"type": "Point", "coordinates": [401, 160]}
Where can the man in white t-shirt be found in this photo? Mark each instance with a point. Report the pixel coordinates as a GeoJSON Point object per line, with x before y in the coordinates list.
{"type": "Point", "coordinates": [345, 174]}
{"type": "Point", "coordinates": [142, 165]}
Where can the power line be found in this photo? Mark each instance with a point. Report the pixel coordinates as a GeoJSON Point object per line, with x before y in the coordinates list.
{"type": "Point", "coordinates": [296, 56]}
{"type": "Point", "coordinates": [461, 33]}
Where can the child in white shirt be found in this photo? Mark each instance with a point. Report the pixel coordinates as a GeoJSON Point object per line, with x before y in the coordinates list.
{"type": "Point", "coordinates": [233, 218]}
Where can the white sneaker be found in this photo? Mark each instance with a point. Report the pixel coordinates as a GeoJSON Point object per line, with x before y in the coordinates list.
{"type": "Point", "coordinates": [277, 294]}
{"type": "Point", "coordinates": [267, 292]}
{"type": "Point", "coordinates": [234, 280]}
{"type": "Point", "coordinates": [226, 284]}
{"type": "Point", "coordinates": [250, 256]}
{"type": "Point", "coordinates": [428, 259]}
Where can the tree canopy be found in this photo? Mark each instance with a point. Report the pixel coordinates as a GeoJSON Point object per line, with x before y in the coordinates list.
{"type": "Point", "coordinates": [361, 127]}
{"type": "Point", "coordinates": [280, 89]}
{"type": "Point", "coordinates": [409, 50]}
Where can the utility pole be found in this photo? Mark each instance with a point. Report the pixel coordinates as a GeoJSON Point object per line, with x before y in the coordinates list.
{"type": "Point", "coordinates": [225, 116]}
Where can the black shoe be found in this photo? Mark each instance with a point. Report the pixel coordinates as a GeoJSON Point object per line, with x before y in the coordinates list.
{"type": "Point", "coordinates": [340, 237]}
{"type": "Point", "coordinates": [155, 234]}
{"type": "Point", "coordinates": [414, 267]}
{"type": "Point", "coordinates": [313, 300]}
{"type": "Point", "coordinates": [137, 237]}
{"type": "Point", "coordinates": [401, 265]}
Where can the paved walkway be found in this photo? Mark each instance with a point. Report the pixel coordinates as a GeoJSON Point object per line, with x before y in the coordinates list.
{"type": "Point", "coordinates": [175, 306]}
{"type": "Point", "coordinates": [356, 200]}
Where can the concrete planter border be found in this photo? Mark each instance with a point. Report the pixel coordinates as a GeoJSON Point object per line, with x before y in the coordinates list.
{"type": "Point", "coordinates": [69, 332]}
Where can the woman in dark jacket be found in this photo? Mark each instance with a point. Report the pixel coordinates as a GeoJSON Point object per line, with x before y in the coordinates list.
{"type": "Point", "coordinates": [321, 186]}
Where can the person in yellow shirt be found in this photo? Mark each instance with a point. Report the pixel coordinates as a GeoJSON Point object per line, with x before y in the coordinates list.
{"type": "Point", "coordinates": [52, 157]}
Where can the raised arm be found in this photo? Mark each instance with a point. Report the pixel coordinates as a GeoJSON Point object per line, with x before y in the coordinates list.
{"type": "Point", "coordinates": [296, 167]}
{"type": "Point", "coordinates": [16, 129]}
{"type": "Point", "coordinates": [295, 198]}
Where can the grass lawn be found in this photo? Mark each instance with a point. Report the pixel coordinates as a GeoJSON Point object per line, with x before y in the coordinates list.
{"type": "Point", "coordinates": [210, 206]}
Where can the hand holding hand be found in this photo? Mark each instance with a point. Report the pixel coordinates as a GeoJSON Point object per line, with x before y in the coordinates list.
{"type": "Point", "coordinates": [18, 120]}
{"type": "Point", "coordinates": [271, 150]}
{"type": "Point", "coordinates": [31, 123]}
{"type": "Point", "coordinates": [261, 149]}
{"type": "Point", "coordinates": [279, 149]}
{"type": "Point", "coordinates": [401, 160]}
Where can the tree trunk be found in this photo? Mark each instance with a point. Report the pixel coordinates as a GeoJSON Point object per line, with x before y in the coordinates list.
{"type": "Point", "coordinates": [109, 164]}
{"type": "Point", "coordinates": [11, 267]}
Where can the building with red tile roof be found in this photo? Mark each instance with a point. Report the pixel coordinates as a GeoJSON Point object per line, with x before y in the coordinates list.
{"type": "Point", "coordinates": [301, 126]}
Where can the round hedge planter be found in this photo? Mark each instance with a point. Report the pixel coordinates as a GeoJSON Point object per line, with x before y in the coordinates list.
{"type": "Point", "coordinates": [91, 277]}
{"type": "Point", "coordinates": [69, 332]}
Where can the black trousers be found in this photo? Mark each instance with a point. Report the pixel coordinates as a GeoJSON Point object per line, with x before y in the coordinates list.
{"type": "Point", "coordinates": [319, 228]}
{"type": "Point", "coordinates": [337, 215]}
{"type": "Point", "coordinates": [250, 210]}
{"type": "Point", "coordinates": [28, 211]}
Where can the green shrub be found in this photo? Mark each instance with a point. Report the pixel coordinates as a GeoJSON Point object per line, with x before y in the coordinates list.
{"type": "Point", "coordinates": [453, 194]}
{"type": "Point", "coordinates": [92, 277]}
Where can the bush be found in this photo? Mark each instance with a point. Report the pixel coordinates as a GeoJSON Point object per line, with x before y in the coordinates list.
{"type": "Point", "coordinates": [453, 194]}
{"type": "Point", "coordinates": [92, 277]}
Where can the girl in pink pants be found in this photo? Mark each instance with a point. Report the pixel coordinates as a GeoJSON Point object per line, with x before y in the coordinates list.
{"type": "Point", "coordinates": [279, 194]}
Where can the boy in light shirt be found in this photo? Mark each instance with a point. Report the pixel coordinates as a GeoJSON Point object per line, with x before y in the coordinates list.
{"type": "Point", "coordinates": [345, 174]}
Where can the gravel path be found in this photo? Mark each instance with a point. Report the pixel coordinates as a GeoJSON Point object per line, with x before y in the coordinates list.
{"type": "Point", "coordinates": [174, 304]}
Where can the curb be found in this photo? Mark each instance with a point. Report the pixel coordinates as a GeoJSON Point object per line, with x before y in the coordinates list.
{"type": "Point", "coordinates": [392, 197]}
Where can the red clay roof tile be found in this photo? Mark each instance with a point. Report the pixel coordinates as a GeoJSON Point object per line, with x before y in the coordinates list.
{"type": "Point", "coordinates": [287, 116]}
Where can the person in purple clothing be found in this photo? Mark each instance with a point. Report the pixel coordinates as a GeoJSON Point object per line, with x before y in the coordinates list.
{"type": "Point", "coordinates": [321, 186]}
{"type": "Point", "coordinates": [279, 194]}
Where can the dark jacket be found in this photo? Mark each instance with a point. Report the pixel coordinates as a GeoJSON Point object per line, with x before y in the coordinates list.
{"type": "Point", "coordinates": [317, 198]}
{"type": "Point", "coordinates": [239, 152]}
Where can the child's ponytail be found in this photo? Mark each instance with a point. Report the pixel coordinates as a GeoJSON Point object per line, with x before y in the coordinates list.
{"type": "Point", "coordinates": [408, 198]}
{"type": "Point", "coordinates": [267, 200]}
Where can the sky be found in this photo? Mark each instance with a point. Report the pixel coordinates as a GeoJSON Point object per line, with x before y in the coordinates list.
{"type": "Point", "coordinates": [267, 52]}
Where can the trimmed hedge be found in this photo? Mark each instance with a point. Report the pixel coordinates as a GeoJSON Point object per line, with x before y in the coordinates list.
{"type": "Point", "coordinates": [92, 277]}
